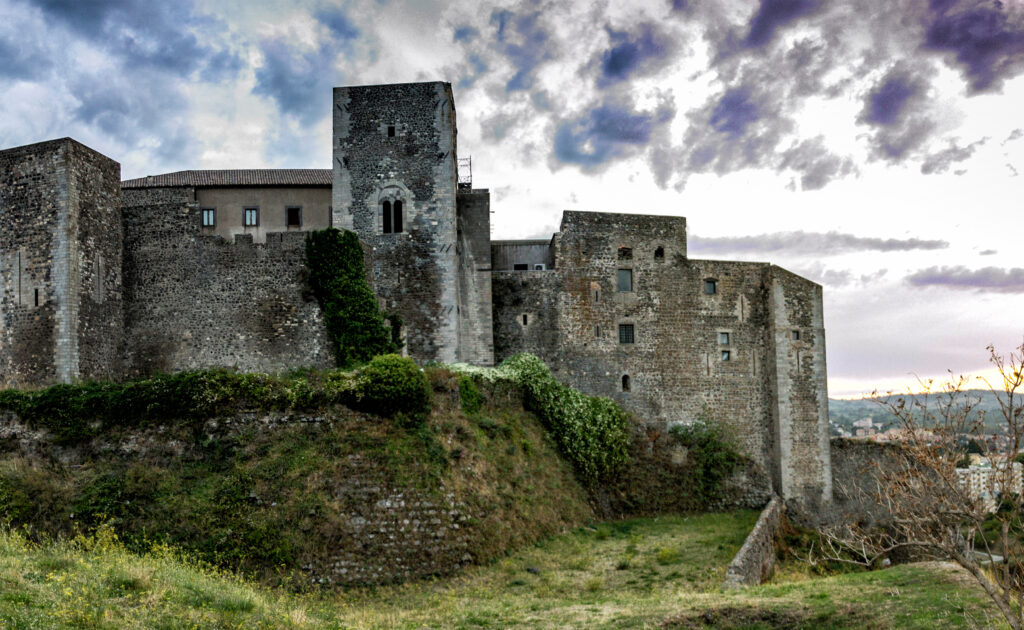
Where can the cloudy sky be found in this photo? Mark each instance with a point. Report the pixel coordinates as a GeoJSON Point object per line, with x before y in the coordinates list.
{"type": "Point", "coordinates": [873, 146]}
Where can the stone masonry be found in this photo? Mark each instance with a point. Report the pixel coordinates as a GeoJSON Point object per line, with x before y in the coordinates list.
{"type": "Point", "coordinates": [99, 281]}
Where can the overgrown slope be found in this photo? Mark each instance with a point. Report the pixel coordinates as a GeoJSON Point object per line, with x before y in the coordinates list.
{"type": "Point", "coordinates": [273, 476]}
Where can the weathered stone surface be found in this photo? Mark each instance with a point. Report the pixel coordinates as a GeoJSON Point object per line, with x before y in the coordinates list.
{"type": "Point", "coordinates": [755, 561]}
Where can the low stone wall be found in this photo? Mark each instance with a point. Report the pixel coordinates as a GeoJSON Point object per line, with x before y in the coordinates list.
{"type": "Point", "coordinates": [756, 558]}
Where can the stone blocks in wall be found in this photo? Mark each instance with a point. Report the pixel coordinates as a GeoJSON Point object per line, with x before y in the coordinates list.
{"type": "Point", "coordinates": [396, 143]}
{"type": "Point", "coordinates": [60, 251]}
{"type": "Point", "coordinates": [199, 301]}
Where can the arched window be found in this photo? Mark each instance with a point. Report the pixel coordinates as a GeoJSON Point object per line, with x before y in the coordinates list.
{"type": "Point", "coordinates": [397, 223]}
{"type": "Point", "coordinates": [387, 217]}
{"type": "Point", "coordinates": [625, 382]}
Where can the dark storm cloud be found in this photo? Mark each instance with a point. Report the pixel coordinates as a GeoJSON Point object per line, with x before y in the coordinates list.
{"type": "Point", "coordinates": [605, 133]}
{"type": "Point", "coordinates": [640, 52]}
{"type": "Point", "coordinates": [523, 39]}
{"type": "Point", "coordinates": [886, 103]}
{"type": "Point", "coordinates": [807, 243]}
{"type": "Point", "coordinates": [984, 36]}
{"type": "Point", "coordinates": [734, 112]}
{"type": "Point", "coordinates": [940, 162]}
{"type": "Point", "coordinates": [773, 15]}
{"type": "Point", "coordinates": [896, 110]}
{"type": "Point", "coordinates": [298, 81]}
{"type": "Point", "coordinates": [986, 279]}
{"type": "Point", "coordinates": [142, 34]}
{"type": "Point", "coordinates": [465, 34]}
{"type": "Point", "coordinates": [21, 59]}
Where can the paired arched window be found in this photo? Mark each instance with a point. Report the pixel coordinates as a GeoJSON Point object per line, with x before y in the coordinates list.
{"type": "Point", "coordinates": [392, 215]}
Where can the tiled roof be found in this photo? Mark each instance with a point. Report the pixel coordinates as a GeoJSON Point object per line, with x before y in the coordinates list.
{"type": "Point", "coordinates": [248, 177]}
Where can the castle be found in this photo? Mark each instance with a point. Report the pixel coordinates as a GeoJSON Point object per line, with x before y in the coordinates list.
{"type": "Point", "coordinates": [108, 279]}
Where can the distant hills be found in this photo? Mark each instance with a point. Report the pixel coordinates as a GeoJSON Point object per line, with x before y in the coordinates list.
{"type": "Point", "coordinates": [843, 413]}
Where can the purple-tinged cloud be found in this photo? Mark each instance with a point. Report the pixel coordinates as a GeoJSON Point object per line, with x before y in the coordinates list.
{"type": "Point", "coordinates": [679, 5]}
{"type": "Point", "coordinates": [816, 165]}
{"type": "Point", "coordinates": [940, 162]}
{"type": "Point", "coordinates": [886, 103]}
{"type": "Point", "coordinates": [631, 53]}
{"type": "Point", "coordinates": [986, 279]}
{"type": "Point", "coordinates": [807, 243]}
{"type": "Point", "coordinates": [773, 15]}
{"type": "Point", "coordinates": [606, 133]}
{"type": "Point", "coordinates": [523, 39]}
{"type": "Point", "coordinates": [734, 112]}
{"type": "Point", "coordinates": [986, 39]}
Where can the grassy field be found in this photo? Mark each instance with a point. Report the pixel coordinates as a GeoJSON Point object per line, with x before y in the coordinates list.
{"type": "Point", "coordinates": [662, 572]}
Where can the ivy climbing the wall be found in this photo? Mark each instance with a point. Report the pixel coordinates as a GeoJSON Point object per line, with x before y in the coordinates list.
{"type": "Point", "coordinates": [338, 280]}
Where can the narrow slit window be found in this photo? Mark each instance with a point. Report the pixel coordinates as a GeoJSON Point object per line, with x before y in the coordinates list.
{"type": "Point", "coordinates": [209, 217]}
{"type": "Point", "coordinates": [37, 297]}
{"type": "Point", "coordinates": [293, 216]}
{"type": "Point", "coordinates": [597, 295]}
{"type": "Point", "coordinates": [625, 383]}
{"type": "Point", "coordinates": [626, 333]}
{"type": "Point", "coordinates": [597, 332]}
{"type": "Point", "coordinates": [723, 338]}
{"type": "Point", "coordinates": [251, 217]}
{"type": "Point", "coordinates": [397, 223]}
{"type": "Point", "coordinates": [624, 279]}
{"type": "Point", "coordinates": [526, 319]}
{"type": "Point", "coordinates": [710, 286]}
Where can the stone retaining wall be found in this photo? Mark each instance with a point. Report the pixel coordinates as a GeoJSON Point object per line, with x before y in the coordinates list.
{"type": "Point", "coordinates": [756, 558]}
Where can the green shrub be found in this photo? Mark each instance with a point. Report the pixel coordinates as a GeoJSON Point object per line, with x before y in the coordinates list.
{"type": "Point", "coordinates": [391, 385]}
{"type": "Point", "coordinates": [592, 432]}
{"type": "Point", "coordinates": [469, 395]}
{"type": "Point", "coordinates": [712, 451]}
{"type": "Point", "coordinates": [337, 278]}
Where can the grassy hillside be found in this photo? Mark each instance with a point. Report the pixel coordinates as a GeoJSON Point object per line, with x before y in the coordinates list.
{"type": "Point", "coordinates": [662, 572]}
{"type": "Point", "coordinates": [286, 495]}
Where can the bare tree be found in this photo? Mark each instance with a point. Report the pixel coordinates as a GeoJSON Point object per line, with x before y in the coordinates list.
{"type": "Point", "coordinates": [924, 499]}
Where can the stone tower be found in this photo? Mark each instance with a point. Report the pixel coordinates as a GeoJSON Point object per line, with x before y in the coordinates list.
{"type": "Point", "coordinates": [394, 184]}
{"type": "Point", "coordinates": [61, 310]}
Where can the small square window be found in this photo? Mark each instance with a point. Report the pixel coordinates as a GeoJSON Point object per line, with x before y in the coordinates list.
{"type": "Point", "coordinates": [626, 333]}
{"type": "Point", "coordinates": [209, 217]}
{"type": "Point", "coordinates": [520, 267]}
{"type": "Point", "coordinates": [726, 355]}
{"type": "Point", "coordinates": [723, 338]}
{"type": "Point", "coordinates": [796, 335]}
{"type": "Point", "coordinates": [251, 217]}
{"type": "Point", "coordinates": [293, 216]}
{"type": "Point", "coordinates": [625, 253]}
{"type": "Point", "coordinates": [710, 286]}
{"type": "Point", "coordinates": [624, 279]}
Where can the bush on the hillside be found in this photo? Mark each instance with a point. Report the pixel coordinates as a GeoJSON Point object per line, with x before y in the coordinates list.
{"type": "Point", "coordinates": [469, 396]}
{"type": "Point", "coordinates": [390, 385]}
{"type": "Point", "coordinates": [591, 431]}
{"type": "Point", "coordinates": [712, 452]}
{"type": "Point", "coordinates": [337, 277]}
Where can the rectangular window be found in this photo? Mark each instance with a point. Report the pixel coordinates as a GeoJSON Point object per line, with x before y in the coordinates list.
{"type": "Point", "coordinates": [626, 333]}
{"type": "Point", "coordinates": [391, 131]}
{"type": "Point", "coordinates": [520, 267]}
{"type": "Point", "coordinates": [710, 286]}
{"type": "Point", "coordinates": [209, 217]}
{"type": "Point", "coordinates": [624, 279]}
{"type": "Point", "coordinates": [796, 335]}
{"type": "Point", "coordinates": [625, 253]}
{"type": "Point", "coordinates": [251, 217]}
{"type": "Point", "coordinates": [538, 267]}
{"type": "Point", "coordinates": [726, 355]}
{"type": "Point", "coordinates": [293, 216]}
{"type": "Point", "coordinates": [723, 338]}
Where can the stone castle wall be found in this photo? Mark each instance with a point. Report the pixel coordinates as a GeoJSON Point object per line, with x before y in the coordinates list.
{"type": "Point", "coordinates": [476, 327]}
{"type": "Point", "coordinates": [198, 301]}
{"type": "Point", "coordinates": [60, 270]}
{"type": "Point", "coordinates": [397, 143]}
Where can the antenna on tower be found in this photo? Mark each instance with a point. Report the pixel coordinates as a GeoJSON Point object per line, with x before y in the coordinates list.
{"type": "Point", "coordinates": [466, 173]}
